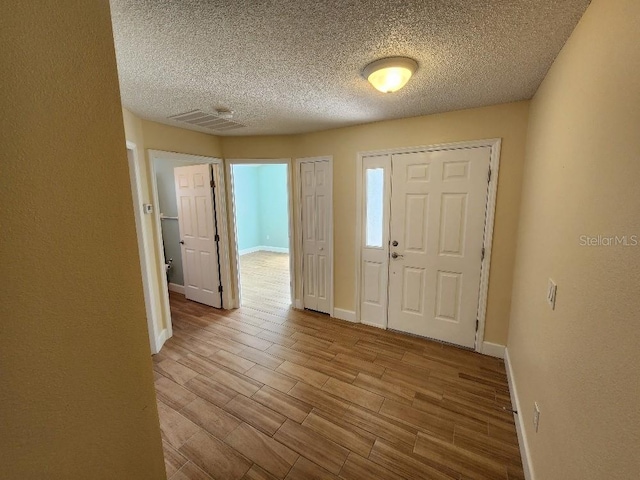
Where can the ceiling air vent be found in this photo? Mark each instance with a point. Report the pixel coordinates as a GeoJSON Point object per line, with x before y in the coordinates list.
{"type": "Point", "coordinates": [202, 119]}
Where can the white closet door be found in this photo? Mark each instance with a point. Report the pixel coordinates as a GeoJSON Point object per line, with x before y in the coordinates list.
{"type": "Point", "coordinates": [437, 217]}
{"type": "Point", "coordinates": [194, 197]}
{"type": "Point", "coordinates": [317, 259]}
{"type": "Point", "coordinates": [376, 176]}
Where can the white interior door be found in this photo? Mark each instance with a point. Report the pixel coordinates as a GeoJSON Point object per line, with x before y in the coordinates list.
{"type": "Point", "coordinates": [317, 259]}
{"type": "Point", "coordinates": [376, 176]}
{"type": "Point", "coordinates": [194, 195]}
{"type": "Point", "coordinates": [438, 207]}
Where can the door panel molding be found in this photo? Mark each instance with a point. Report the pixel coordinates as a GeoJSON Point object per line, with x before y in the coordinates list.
{"type": "Point", "coordinates": [299, 254]}
{"type": "Point", "coordinates": [198, 233]}
{"type": "Point", "coordinates": [452, 171]}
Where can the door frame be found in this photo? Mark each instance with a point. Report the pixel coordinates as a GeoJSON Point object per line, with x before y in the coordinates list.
{"type": "Point", "coordinates": [220, 198]}
{"type": "Point", "coordinates": [299, 257]}
{"type": "Point", "coordinates": [233, 232]}
{"type": "Point", "coordinates": [151, 301]}
{"type": "Point", "coordinates": [494, 165]}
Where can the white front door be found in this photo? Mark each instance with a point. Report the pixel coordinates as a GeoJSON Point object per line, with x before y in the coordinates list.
{"type": "Point", "coordinates": [317, 260]}
{"type": "Point", "coordinates": [438, 204]}
{"type": "Point", "coordinates": [194, 196]}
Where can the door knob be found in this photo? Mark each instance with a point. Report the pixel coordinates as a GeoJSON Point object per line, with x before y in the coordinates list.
{"type": "Point", "coordinates": [181, 242]}
{"type": "Point", "coordinates": [396, 255]}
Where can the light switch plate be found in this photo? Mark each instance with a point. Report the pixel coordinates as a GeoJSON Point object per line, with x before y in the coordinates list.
{"type": "Point", "coordinates": [552, 289]}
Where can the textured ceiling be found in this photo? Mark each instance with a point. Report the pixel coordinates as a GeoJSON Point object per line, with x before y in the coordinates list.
{"type": "Point", "coordinates": [292, 66]}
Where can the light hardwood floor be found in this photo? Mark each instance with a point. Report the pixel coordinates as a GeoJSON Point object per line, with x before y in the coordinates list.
{"type": "Point", "coordinates": [270, 393]}
{"type": "Point", "coordinates": [265, 279]}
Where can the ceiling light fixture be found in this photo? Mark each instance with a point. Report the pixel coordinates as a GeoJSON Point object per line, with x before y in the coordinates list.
{"type": "Point", "coordinates": [390, 74]}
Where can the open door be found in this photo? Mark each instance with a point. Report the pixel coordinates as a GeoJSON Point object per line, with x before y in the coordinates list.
{"type": "Point", "coordinates": [198, 234]}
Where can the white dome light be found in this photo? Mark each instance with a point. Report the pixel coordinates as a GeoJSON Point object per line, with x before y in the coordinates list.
{"type": "Point", "coordinates": [390, 74]}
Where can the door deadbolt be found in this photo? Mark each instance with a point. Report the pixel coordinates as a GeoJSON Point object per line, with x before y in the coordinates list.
{"type": "Point", "coordinates": [394, 243]}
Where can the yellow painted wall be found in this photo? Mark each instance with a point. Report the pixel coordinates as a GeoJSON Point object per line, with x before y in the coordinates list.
{"type": "Point", "coordinates": [580, 362]}
{"type": "Point", "coordinates": [506, 121]}
{"type": "Point", "coordinates": [76, 396]}
{"type": "Point", "coordinates": [158, 136]}
{"type": "Point", "coordinates": [271, 146]}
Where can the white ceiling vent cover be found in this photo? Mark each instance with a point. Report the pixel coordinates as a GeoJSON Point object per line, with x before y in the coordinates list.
{"type": "Point", "coordinates": [202, 119]}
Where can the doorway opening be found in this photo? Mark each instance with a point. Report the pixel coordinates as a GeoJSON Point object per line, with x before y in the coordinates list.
{"type": "Point", "coordinates": [189, 210]}
{"type": "Point", "coordinates": [182, 210]}
{"type": "Point", "coordinates": [175, 206]}
{"type": "Point", "coordinates": [262, 218]}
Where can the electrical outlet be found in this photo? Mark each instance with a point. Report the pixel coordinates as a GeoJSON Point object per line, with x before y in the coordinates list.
{"type": "Point", "coordinates": [552, 289]}
{"type": "Point", "coordinates": [536, 416]}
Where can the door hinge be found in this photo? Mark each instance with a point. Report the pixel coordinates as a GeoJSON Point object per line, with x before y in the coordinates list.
{"type": "Point", "coordinates": [220, 288]}
{"type": "Point", "coordinates": [477, 324]}
{"type": "Point", "coordinates": [482, 255]}
{"type": "Point", "coordinates": [213, 184]}
{"type": "Point", "coordinates": [217, 238]}
{"type": "Point", "coordinates": [489, 176]}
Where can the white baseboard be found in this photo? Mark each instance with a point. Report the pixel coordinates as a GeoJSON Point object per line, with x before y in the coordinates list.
{"type": "Point", "coordinates": [174, 287]}
{"type": "Point", "coordinates": [263, 248]}
{"type": "Point", "coordinates": [274, 249]}
{"type": "Point", "coordinates": [493, 349]}
{"type": "Point", "coordinates": [527, 466]}
{"type": "Point", "coordinates": [371, 324]}
{"type": "Point", "coordinates": [298, 304]}
{"type": "Point", "coordinates": [347, 315]}
{"type": "Point", "coordinates": [244, 251]}
{"type": "Point", "coordinates": [163, 336]}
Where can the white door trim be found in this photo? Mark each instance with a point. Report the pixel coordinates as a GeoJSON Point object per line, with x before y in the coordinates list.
{"type": "Point", "coordinates": [299, 302]}
{"type": "Point", "coordinates": [494, 144]}
{"type": "Point", "coordinates": [150, 296]}
{"type": "Point", "coordinates": [224, 254]}
{"type": "Point", "coordinates": [234, 254]}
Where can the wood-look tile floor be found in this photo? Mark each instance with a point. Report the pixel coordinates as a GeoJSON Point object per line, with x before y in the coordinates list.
{"type": "Point", "coordinates": [270, 393]}
{"type": "Point", "coordinates": [265, 279]}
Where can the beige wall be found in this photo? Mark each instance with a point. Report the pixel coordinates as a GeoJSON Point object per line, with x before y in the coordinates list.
{"type": "Point", "coordinates": [77, 398]}
{"type": "Point", "coordinates": [581, 361]}
{"type": "Point", "coordinates": [506, 121]}
{"type": "Point", "coordinates": [171, 139]}
{"type": "Point", "coordinates": [276, 146]}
